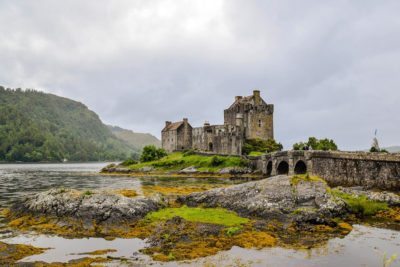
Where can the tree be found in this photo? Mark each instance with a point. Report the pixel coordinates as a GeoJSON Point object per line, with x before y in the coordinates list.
{"type": "Point", "coordinates": [151, 153]}
{"type": "Point", "coordinates": [316, 144]}
{"type": "Point", "coordinates": [259, 145]}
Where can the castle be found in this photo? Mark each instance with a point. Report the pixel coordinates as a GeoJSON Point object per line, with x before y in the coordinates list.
{"type": "Point", "coordinates": [248, 117]}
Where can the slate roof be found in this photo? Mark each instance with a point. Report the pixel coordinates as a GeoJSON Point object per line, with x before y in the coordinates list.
{"type": "Point", "coordinates": [173, 126]}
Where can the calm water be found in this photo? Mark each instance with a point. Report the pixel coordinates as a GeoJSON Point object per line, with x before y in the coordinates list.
{"type": "Point", "coordinates": [364, 246]}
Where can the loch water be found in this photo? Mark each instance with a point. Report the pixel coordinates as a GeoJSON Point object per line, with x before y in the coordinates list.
{"type": "Point", "coordinates": [364, 246]}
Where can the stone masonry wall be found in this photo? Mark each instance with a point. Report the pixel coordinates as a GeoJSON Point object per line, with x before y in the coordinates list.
{"type": "Point", "coordinates": [371, 170]}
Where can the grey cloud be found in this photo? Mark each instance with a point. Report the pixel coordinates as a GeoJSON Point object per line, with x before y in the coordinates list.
{"type": "Point", "coordinates": [331, 69]}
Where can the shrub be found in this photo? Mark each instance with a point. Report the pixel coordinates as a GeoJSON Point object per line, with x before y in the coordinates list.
{"type": "Point", "coordinates": [151, 153]}
{"type": "Point", "coordinates": [129, 162]}
{"type": "Point", "coordinates": [189, 152]}
{"type": "Point", "coordinates": [216, 161]}
{"type": "Point", "coordinates": [316, 144]}
{"type": "Point", "coordinates": [259, 145]}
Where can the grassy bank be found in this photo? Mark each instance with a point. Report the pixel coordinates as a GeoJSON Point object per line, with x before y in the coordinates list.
{"type": "Point", "coordinates": [203, 163]}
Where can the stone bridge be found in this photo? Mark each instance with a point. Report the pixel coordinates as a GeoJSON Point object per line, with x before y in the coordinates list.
{"type": "Point", "coordinates": [372, 170]}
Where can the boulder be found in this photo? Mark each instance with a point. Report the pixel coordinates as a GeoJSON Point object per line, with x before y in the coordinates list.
{"type": "Point", "coordinates": [274, 198]}
{"type": "Point", "coordinates": [147, 169]}
{"type": "Point", "coordinates": [98, 206]}
{"type": "Point", "coordinates": [190, 169]}
{"type": "Point", "coordinates": [392, 199]}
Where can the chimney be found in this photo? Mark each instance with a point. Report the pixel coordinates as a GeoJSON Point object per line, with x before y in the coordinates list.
{"type": "Point", "coordinates": [167, 123]}
{"type": "Point", "coordinates": [185, 120]}
{"type": "Point", "coordinates": [257, 97]}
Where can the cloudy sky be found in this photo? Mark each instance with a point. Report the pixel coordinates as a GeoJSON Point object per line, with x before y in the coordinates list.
{"type": "Point", "coordinates": [332, 68]}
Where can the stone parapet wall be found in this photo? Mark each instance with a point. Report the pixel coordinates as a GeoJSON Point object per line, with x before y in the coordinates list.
{"type": "Point", "coordinates": [371, 170]}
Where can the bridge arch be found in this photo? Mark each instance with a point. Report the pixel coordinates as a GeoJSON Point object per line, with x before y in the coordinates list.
{"type": "Point", "coordinates": [300, 167]}
{"type": "Point", "coordinates": [269, 168]}
{"type": "Point", "coordinates": [283, 168]}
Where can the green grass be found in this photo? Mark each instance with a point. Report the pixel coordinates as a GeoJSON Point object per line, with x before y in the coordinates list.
{"type": "Point", "coordinates": [179, 161]}
{"type": "Point", "coordinates": [202, 215]}
{"type": "Point", "coordinates": [256, 153]}
{"type": "Point", "coordinates": [361, 204]}
{"type": "Point", "coordinates": [305, 177]}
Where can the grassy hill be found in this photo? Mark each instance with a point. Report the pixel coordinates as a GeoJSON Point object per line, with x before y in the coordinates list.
{"type": "Point", "coordinates": [135, 140]}
{"type": "Point", "coordinates": [35, 126]}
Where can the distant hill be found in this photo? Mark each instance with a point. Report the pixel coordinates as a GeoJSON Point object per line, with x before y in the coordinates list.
{"type": "Point", "coordinates": [135, 140]}
{"type": "Point", "coordinates": [36, 126]}
{"type": "Point", "coordinates": [393, 149]}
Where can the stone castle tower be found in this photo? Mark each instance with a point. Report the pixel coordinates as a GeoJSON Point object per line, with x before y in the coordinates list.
{"type": "Point", "coordinates": [249, 117]}
{"type": "Point", "coordinates": [253, 115]}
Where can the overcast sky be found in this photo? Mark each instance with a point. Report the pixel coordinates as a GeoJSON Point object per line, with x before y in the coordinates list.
{"type": "Point", "coordinates": [332, 68]}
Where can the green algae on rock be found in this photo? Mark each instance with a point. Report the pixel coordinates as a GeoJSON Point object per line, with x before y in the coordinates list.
{"type": "Point", "coordinates": [202, 215]}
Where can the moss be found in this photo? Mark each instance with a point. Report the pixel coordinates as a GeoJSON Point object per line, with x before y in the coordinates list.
{"type": "Point", "coordinates": [361, 205]}
{"type": "Point", "coordinates": [176, 190]}
{"type": "Point", "coordinates": [203, 215]}
{"type": "Point", "coordinates": [392, 214]}
{"type": "Point", "coordinates": [296, 179]}
{"type": "Point", "coordinates": [345, 226]}
{"type": "Point", "coordinates": [10, 253]}
{"type": "Point", "coordinates": [254, 239]}
{"type": "Point", "coordinates": [231, 231]}
{"type": "Point", "coordinates": [88, 193]}
{"type": "Point", "coordinates": [84, 262]}
{"type": "Point", "coordinates": [256, 153]}
{"type": "Point", "coordinates": [126, 192]}
{"type": "Point", "coordinates": [190, 240]}
{"type": "Point", "coordinates": [5, 213]}
{"type": "Point", "coordinates": [98, 252]}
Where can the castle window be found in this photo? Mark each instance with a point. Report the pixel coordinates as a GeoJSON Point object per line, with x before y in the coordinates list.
{"type": "Point", "coordinates": [259, 123]}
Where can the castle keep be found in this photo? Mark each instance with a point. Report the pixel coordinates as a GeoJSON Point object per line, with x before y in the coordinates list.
{"type": "Point", "coordinates": [248, 117]}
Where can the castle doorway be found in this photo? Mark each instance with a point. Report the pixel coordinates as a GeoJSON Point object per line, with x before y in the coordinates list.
{"type": "Point", "coordinates": [300, 167]}
{"type": "Point", "coordinates": [283, 168]}
{"type": "Point", "coordinates": [210, 146]}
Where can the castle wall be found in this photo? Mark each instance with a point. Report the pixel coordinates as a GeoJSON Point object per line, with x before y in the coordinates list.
{"type": "Point", "coordinates": [220, 139]}
{"type": "Point", "coordinates": [260, 123]}
{"type": "Point", "coordinates": [257, 116]}
{"type": "Point", "coordinates": [184, 140]}
{"type": "Point", "coordinates": [247, 118]}
{"type": "Point", "coordinates": [169, 140]}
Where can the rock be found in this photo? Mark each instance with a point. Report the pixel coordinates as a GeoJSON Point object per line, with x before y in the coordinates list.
{"type": "Point", "coordinates": [122, 170]}
{"type": "Point", "coordinates": [274, 198]}
{"type": "Point", "coordinates": [382, 196]}
{"type": "Point", "coordinates": [99, 206]}
{"type": "Point", "coordinates": [146, 169]}
{"type": "Point", "coordinates": [190, 169]}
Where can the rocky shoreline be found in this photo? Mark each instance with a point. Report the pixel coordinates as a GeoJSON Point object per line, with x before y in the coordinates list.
{"type": "Point", "coordinates": [298, 211]}
{"type": "Point", "coordinates": [279, 198]}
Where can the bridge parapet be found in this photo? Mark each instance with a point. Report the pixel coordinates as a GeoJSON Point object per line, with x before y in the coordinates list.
{"type": "Point", "coordinates": [380, 170]}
